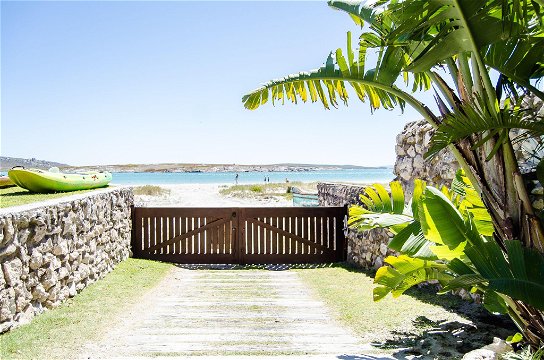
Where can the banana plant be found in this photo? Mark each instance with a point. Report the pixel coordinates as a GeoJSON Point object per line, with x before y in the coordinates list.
{"type": "Point", "coordinates": [451, 46]}
{"type": "Point", "coordinates": [445, 236]}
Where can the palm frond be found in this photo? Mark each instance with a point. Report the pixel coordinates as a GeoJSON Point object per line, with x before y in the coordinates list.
{"type": "Point", "coordinates": [328, 84]}
{"type": "Point", "coordinates": [453, 27]}
{"type": "Point", "coordinates": [404, 273]}
{"type": "Point", "coordinates": [504, 35]}
{"type": "Point", "coordinates": [476, 118]}
{"type": "Point", "coordinates": [359, 13]}
{"type": "Point", "coordinates": [380, 209]}
{"type": "Point", "coordinates": [520, 60]}
{"type": "Point", "coordinates": [518, 273]}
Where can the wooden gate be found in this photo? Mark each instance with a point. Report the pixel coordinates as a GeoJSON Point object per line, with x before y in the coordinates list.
{"type": "Point", "coordinates": [239, 235]}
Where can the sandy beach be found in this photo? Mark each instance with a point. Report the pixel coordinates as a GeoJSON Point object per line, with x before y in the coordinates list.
{"type": "Point", "coordinates": [204, 195]}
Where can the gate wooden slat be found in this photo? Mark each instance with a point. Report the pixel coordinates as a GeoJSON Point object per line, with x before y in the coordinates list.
{"type": "Point", "coordinates": [183, 246]}
{"type": "Point", "coordinates": [239, 235]}
{"type": "Point", "coordinates": [322, 231]}
{"type": "Point", "coordinates": [201, 238]}
{"type": "Point", "coordinates": [255, 240]}
{"type": "Point", "coordinates": [164, 235]}
{"type": "Point", "coordinates": [312, 235]}
{"type": "Point", "coordinates": [330, 233]}
{"type": "Point", "coordinates": [208, 236]}
{"type": "Point", "coordinates": [190, 236]}
{"type": "Point", "coordinates": [281, 238]}
{"type": "Point", "coordinates": [221, 239]}
{"type": "Point", "coordinates": [147, 233]}
{"type": "Point", "coordinates": [172, 233]}
{"type": "Point", "coordinates": [300, 233]}
{"type": "Point", "coordinates": [273, 236]}
{"type": "Point", "coordinates": [341, 247]}
{"type": "Point", "coordinates": [157, 234]}
{"type": "Point", "coordinates": [261, 240]}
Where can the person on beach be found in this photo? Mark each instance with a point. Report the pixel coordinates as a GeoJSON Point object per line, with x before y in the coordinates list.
{"type": "Point", "coordinates": [236, 179]}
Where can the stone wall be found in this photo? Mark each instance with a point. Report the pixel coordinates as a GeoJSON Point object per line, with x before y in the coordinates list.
{"type": "Point", "coordinates": [366, 249]}
{"type": "Point", "coordinates": [50, 251]}
{"type": "Point", "coordinates": [413, 142]}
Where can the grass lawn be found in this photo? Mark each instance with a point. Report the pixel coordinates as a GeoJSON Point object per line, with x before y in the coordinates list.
{"type": "Point", "coordinates": [14, 196]}
{"type": "Point", "coordinates": [60, 333]}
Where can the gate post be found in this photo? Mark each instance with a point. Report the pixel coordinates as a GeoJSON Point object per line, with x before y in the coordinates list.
{"type": "Point", "coordinates": [341, 240]}
{"type": "Point", "coordinates": [240, 236]}
{"type": "Point", "coordinates": [136, 232]}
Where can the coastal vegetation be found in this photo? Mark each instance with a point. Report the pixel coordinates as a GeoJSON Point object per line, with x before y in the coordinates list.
{"type": "Point", "coordinates": [267, 190]}
{"type": "Point", "coordinates": [482, 58]}
{"type": "Point", "coordinates": [150, 190]}
{"type": "Point", "coordinates": [14, 196]}
{"type": "Point", "coordinates": [86, 316]}
{"type": "Point", "coordinates": [445, 236]}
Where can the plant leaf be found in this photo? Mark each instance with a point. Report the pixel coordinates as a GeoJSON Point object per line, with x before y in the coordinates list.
{"type": "Point", "coordinates": [410, 241]}
{"type": "Point", "coordinates": [405, 273]}
{"type": "Point", "coordinates": [440, 221]}
{"type": "Point", "coordinates": [519, 274]}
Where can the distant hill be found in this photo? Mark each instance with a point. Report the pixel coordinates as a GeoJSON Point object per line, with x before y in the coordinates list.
{"type": "Point", "coordinates": [7, 163]}
{"type": "Point", "coordinates": [331, 166]}
{"type": "Point", "coordinates": [179, 167]}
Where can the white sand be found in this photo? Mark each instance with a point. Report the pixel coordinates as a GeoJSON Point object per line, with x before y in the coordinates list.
{"type": "Point", "coordinates": [204, 195]}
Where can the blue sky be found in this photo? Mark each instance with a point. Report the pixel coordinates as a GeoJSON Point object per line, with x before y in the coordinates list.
{"type": "Point", "coordinates": [152, 82]}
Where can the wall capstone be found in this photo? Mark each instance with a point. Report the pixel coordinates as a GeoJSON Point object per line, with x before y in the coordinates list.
{"type": "Point", "coordinates": [51, 250]}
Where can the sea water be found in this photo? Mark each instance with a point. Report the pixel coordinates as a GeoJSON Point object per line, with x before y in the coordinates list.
{"type": "Point", "coordinates": [367, 175]}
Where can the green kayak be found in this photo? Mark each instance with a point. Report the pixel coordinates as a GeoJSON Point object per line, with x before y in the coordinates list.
{"type": "Point", "coordinates": [42, 181]}
{"type": "Point", "coordinates": [5, 182]}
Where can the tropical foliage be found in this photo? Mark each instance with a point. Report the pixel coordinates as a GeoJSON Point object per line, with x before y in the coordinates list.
{"type": "Point", "coordinates": [453, 47]}
{"type": "Point", "coordinates": [447, 236]}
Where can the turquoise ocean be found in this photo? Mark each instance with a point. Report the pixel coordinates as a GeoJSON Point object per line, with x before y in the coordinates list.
{"type": "Point", "coordinates": [367, 175]}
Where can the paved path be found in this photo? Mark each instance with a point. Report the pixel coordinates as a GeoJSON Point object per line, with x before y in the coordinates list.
{"type": "Point", "coordinates": [229, 313]}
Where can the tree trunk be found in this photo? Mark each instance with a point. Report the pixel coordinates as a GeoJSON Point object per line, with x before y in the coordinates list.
{"type": "Point", "coordinates": [505, 195]}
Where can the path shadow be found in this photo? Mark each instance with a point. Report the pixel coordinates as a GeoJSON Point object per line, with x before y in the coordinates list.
{"type": "Point", "coordinates": [270, 267]}
{"type": "Point", "coordinates": [443, 339]}
{"type": "Point", "coordinates": [361, 357]}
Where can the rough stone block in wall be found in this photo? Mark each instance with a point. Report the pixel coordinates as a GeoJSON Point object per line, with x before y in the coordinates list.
{"type": "Point", "coordinates": [412, 145]}
{"type": "Point", "coordinates": [366, 249]}
{"type": "Point", "coordinates": [50, 251]}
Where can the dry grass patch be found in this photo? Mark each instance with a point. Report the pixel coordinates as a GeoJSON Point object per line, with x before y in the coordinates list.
{"type": "Point", "coordinates": [266, 190]}
{"type": "Point", "coordinates": [150, 190]}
